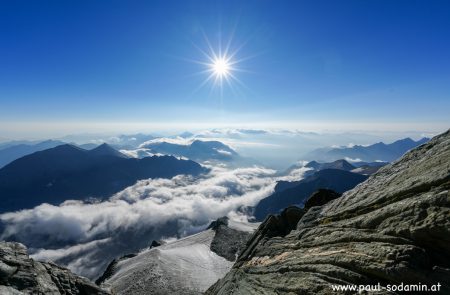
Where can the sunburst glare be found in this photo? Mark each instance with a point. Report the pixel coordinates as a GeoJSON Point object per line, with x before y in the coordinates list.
{"type": "Point", "coordinates": [220, 65]}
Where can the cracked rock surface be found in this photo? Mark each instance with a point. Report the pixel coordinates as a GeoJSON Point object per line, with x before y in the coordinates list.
{"type": "Point", "coordinates": [393, 228]}
{"type": "Point", "coordinates": [19, 274]}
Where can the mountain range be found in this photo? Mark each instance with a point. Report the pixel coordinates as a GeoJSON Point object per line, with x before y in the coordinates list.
{"type": "Point", "coordinates": [371, 153]}
{"type": "Point", "coordinates": [297, 192]}
{"type": "Point", "coordinates": [12, 151]}
{"type": "Point", "coordinates": [198, 150]}
{"type": "Point", "coordinates": [69, 172]}
{"type": "Point", "coordinates": [392, 229]}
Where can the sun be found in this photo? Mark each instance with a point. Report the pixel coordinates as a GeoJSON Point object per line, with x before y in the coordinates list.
{"type": "Point", "coordinates": [221, 67]}
{"type": "Point", "coordinates": [221, 64]}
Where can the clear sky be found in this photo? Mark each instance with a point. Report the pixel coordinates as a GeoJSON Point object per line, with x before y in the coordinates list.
{"type": "Point", "coordinates": [90, 65]}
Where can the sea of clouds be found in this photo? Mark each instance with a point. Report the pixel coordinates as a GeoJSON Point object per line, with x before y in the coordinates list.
{"type": "Point", "coordinates": [85, 237]}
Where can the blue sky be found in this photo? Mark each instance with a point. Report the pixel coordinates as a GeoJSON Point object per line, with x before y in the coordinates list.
{"type": "Point", "coordinates": [95, 65]}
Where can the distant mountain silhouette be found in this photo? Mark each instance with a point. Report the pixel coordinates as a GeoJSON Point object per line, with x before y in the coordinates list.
{"type": "Point", "coordinates": [87, 146]}
{"type": "Point", "coordinates": [298, 192]}
{"type": "Point", "coordinates": [375, 152]}
{"type": "Point", "coordinates": [106, 150]}
{"type": "Point", "coordinates": [365, 168]}
{"type": "Point", "coordinates": [11, 152]}
{"type": "Point", "coordinates": [370, 164]}
{"type": "Point", "coordinates": [198, 150]}
{"type": "Point", "coordinates": [69, 172]}
{"type": "Point", "coordinates": [315, 167]}
{"type": "Point", "coordinates": [338, 164]}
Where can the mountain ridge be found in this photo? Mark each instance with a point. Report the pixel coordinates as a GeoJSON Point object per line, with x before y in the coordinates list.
{"type": "Point", "coordinates": [375, 152]}
{"type": "Point", "coordinates": [197, 150]}
{"type": "Point", "coordinates": [69, 172]}
{"type": "Point", "coordinates": [296, 193]}
{"type": "Point", "coordinates": [13, 151]}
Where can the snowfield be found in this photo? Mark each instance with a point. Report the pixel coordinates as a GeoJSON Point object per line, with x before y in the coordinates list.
{"type": "Point", "coordinates": [186, 266]}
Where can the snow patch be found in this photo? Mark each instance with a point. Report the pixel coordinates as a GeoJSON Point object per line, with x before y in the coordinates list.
{"type": "Point", "coordinates": [187, 263]}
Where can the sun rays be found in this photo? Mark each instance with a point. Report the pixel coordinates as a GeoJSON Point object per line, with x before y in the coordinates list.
{"type": "Point", "coordinates": [220, 65]}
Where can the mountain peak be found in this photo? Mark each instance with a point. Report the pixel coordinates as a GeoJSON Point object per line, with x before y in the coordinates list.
{"type": "Point", "coordinates": [67, 147]}
{"type": "Point", "coordinates": [106, 150]}
{"type": "Point", "coordinates": [406, 140]}
{"type": "Point", "coordinates": [367, 153]}
{"type": "Point", "coordinates": [341, 164]}
{"type": "Point", "coordinates": [313, 164]}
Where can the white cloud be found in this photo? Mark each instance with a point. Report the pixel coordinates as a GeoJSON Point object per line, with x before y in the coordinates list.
{"type": "Point", "coordinates": [86, 237]}
{"type": "Point", "coordinates": [297, 172]}
{"type": "Point", "coordinates": [223, 152]}
{"type": "Point", "coordinates": [138, 153]}
{"type": "Point", "coordinates": [351, 160]}
{"type": "Point", "coordinates": [175, 140]}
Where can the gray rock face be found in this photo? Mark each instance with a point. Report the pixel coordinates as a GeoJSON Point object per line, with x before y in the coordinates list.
{"type": "Point", "coordinates": [19, 274]}
{"type": "Point", "coordinates": [393, 228]}
{"type": "Point", "coordinates": [227, 242]}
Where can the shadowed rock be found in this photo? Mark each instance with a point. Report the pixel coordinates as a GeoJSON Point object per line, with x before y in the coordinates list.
{"type": "Point", "coordinates": [321, 197]}
{"type": "Point", "coordinates": [273, 226]}
{"type": "Point", "coordinates": [393, 228]}
{"type": "Point", "coordinates": [19, 274]}
{"type": "Point", "coordinates": [156, 244]}
{"type": "Point", "coordinates": [227, 242]}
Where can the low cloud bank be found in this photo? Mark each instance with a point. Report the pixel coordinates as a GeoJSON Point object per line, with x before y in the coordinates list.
{"type": "Point", "coordinates": [86, 237]}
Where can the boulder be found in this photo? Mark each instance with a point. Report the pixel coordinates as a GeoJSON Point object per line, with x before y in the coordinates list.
{"type": "Point", "coordinates": [19, 274]}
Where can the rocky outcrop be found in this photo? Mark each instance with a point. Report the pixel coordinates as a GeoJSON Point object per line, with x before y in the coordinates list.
{"type": "Point", "coordinates": [393, 228]}
{"type": "Point", "coordinates": [273, 226]}
{"type": "Point", "coordinates": [19, 274]}
{"type": "Point", "coordinates": [227, 242]}
{"type": "Point", "coordinates": [321, 197]}
{"type": "Point", "coordinates": [156, 244]}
